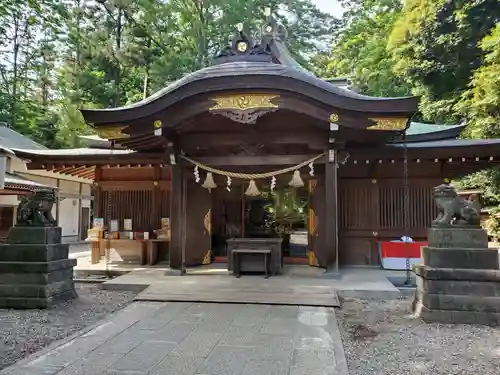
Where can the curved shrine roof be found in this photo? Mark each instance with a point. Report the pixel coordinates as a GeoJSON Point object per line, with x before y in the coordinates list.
{"type": "Point", "coordinates": [267, 66]}
{"type": "Point", "coordinates": [251, 75]}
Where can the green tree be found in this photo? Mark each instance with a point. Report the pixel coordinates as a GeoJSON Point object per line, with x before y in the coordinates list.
{"type": "Point", "coordinates": [360, 48]}
{"type": "Point", "coordinates": [480, 105]}
{"type": "Point", "coordinates": [435, 44]}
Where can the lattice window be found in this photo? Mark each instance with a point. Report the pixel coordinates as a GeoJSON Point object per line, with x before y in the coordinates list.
{"type": "Point", "coordinates": [391, 207]}
{"type": "Point", "coordinates": [355, 206]}
{"type": "Point", "coordinates": [134, 204]}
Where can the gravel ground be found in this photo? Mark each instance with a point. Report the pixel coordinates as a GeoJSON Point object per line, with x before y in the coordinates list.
{"type": "Point", "coordinates": [26, 331]}
{"type": "Point", "coordinates": [382, 337]}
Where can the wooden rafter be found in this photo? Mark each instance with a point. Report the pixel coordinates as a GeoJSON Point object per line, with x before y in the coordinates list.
{"type": "Point", "coordinates": [81, 172]}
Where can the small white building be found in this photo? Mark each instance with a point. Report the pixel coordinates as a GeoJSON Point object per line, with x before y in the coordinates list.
{"type": "Point", "coordinates": [73, 209]}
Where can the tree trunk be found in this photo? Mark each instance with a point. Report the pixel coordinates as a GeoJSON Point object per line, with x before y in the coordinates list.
{"type": "Point", "coordinates": [118, 71]}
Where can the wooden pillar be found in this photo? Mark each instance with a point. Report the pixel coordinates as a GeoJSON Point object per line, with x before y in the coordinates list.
{"type": "Point", "coordinates": [156, 201]}
{"type": "Point", "coordinates": [58, 202]}
{"type": "Point", "coordinates": [80, 218]}
{"type": "Point", "coordinates": [175, 256]}
{"type": "Point", "coordinates": [97, 193]}
{"type": "Point", "coordinates": [331, 215]}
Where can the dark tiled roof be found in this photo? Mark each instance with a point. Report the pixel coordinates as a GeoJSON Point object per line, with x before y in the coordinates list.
{"type": "Point", "coordinates": [244, 68]}
{"type": "Point", "coordinates": [71, 152]}
{"type": "Point", "coordinates": [417, 128]}
{"type": "Point", "coordinates": [12, 139]}
{"type": "Point", "coordinates": [15, 181]}
{"type": "Point", "coordinates": [451, 143]}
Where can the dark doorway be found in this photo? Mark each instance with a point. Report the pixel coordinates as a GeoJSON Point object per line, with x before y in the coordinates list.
{"type": "Point", "coordinates": [85, 223]}
{"type": "Point", "coordinates": [6, 220]}
{"type": "Point", "coordinates": [282, 213]}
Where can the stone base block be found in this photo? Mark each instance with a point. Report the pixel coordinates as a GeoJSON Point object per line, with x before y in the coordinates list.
{"type": "Point", "coordinates": [453, 302]}
{"type": "Point", "coordinates": [456, 274]}
{"type": "Point", "coordinates": [464, 258]}
{"type": "Point", "coordinates": [33, 252]}
{"type": "Point", "coordinates": [465, 296]}
{"type": "Point", "coordinates": [456, 317]}
{"type": "Point", "coordinates": [35, 235]}
{"type": "Point", "coordinates": [36, 278]}
{"type": "Point", "coordinates": [456, 237]}
{"type": "Point", "coordinates": [26, 285]}
{"type": "Point", "coordinates": [36, 302]}
{"type": "Point", "coordinates": [36, 267]}
{"type": "Point", "coordinates": [36, 290]}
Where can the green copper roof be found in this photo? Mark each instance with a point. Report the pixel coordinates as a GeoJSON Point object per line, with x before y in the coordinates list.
{"type": "Point", "coordinates": [417, 128]}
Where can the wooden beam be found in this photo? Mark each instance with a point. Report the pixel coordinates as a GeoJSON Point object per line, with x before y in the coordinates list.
{"type": "Point", "coordinates": [237, 160]}
{"type": "Point", "coordinates": [151, 141]}
{"type": "Point", "coordinates": [315, 139]}
{"type": "Point", "coordinates": [46, 162]}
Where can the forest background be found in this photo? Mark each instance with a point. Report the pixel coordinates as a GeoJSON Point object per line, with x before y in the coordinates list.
{"type": "Point", "coordinates": [57, 56]}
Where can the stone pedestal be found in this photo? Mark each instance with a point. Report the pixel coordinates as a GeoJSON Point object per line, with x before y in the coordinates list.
{"type": "Point", "coordinates": [34, 268]}
{"type": "Point", "coordinates": [459, 280]}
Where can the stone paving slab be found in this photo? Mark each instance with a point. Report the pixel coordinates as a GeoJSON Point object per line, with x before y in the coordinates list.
{"type": "Point", "coordinates": [349, 283]}
{"type": "Point", "coordinates": [248, 290]}
{"type": "Point", "coordinates": [199, 339]}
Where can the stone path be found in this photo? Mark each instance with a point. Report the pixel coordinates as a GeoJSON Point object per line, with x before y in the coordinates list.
{"type": "Point", "coordinates": [149, 338]}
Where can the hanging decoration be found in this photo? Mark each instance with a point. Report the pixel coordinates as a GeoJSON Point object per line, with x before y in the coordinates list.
{"type": "Point", "coordinates": [252, 190]}
{"type": "Point", "coordinates": [196, 174]}
{"type": "Point", "coordinates": [296, 180]}
{"type": "Point", "coordinates": [273, 183]}
{"type": "Point", "coordinates": [311, 169]}
{"type": "Point", "coordinates": [209, 182]}
{"type": "Point", "coordinates": [252, 176]}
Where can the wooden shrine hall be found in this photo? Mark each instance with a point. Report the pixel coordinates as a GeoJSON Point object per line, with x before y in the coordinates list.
{"type": "Point", "coordinates": [255, 148]}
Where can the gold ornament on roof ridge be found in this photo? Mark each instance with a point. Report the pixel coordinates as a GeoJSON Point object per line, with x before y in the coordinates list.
{"type": "Point", "coordinates": [157, 124]}
{"type": "Point", "coordinates": [386, 123]}
{"type": "Point", "coordinates": [244, 102]}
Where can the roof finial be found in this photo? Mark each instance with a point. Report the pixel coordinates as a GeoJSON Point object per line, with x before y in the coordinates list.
{"type": "Point", "coordinates": [267, 11]}
{"type": "Point", "coordinates": [240, 27]}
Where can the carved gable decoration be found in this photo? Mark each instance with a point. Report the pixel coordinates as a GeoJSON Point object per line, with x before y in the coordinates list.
{"type": "Point", "coordinates": [112, 132]}
{"type": "Point", "coordinates": [394, 124]}
{"type": "Point", "coordinates": [244, 108]}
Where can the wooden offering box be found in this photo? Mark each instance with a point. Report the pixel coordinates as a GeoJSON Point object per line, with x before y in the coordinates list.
{"type": "Point", "coordinates": [251, 263]}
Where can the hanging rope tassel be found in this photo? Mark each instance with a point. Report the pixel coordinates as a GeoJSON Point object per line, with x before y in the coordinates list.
{"type": "Point", "coordinates": [296, 180]}
{"type": "Point", "coordinates": [209, 182]}
{"type": "Point", "coordinates": [196, 174]}
{"type": "Point", "coordinates": [311, 169]}
{"type": "Point", "coordinates": [252, 190]}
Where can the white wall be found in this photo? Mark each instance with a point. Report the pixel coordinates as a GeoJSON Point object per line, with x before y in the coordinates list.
{"type": "Point", "coordinates": [68, 216]}
{"type": "Point", "coordinates": [8, 200]}
{"type": "Point", "coordinates": [69, 193]}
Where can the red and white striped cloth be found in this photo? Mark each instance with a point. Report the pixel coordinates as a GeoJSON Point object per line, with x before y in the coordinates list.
{"type": "Point", "coordinates": [393, 254]}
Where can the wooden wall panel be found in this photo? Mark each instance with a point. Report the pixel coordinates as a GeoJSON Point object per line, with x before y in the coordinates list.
{"type": "Point", "coordinates": [128, 205]}
{"type": "Point", "coordinates": [373, 210]}
{"type": "Point", "coordinates": [198, 225]}
{"type": "Point", "coordinates": [128, 174]}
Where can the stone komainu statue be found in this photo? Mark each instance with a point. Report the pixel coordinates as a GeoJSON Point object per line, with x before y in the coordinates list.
{"type": "Point", "coordinates": [453, 209]}
{"type": "Point", "coordinates": [36, 209]}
